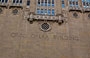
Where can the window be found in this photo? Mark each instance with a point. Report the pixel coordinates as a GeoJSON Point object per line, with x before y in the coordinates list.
{"type": "Point", "coordinates": [49, 2]}
{"type": "Point", "coordinates": [42, 2]}
{"type": "Point", "coordinates": [17, 1]}
{"type": "Point", "coordinates": [73, 3]}
{"type": "Point", "coordinates": [13, 1]}
{"type": "Point", "coordinates": [45, 2]}
{"type": "Point", "coordinates": [63, 5]}
{"type": "Point", "coordinates": [20, 1]}
{"type": "Point", "coordinates": [52, 2]}
{"type": "Point", "coordinates": [86, 3]}
{"type": "Point", "coordinates": [49, 12]}
{"type": "Point", "coordinates": [44, 10]}
{"type": "Point", "coordinates": [3, 1]}
{"type": "Point", "coordinates": [53, 12]}
{"type": "Point", "coordinates": [38, 11]}
{"type": "Point", "coordinates": [38, 2]}
{"type": "Point", "coordinates": [28, 2]}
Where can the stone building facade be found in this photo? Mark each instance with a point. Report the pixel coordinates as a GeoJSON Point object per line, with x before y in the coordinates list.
{"type": "Point", "coordinates": [44, 29]}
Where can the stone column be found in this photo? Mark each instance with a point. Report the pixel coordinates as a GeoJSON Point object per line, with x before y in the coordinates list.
{"type": "Point", "coordinates": [58, 7]}
{"type": "Point", "coordinates": [33, 6]}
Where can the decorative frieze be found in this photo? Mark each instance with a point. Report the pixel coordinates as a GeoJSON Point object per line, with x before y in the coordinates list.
{"type": "Point", "coordinates": [32, 17]}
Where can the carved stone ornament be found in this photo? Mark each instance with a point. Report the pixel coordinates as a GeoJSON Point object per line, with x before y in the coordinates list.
{"type": "Point", "coordinates": [75, 14]}
{"type": "Point", "coordinates": [15, 11]}
{"type": "Point", "coordinates": [45, 27]}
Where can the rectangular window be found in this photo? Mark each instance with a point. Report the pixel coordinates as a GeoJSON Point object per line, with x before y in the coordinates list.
{"type": "Point", "coordinates": [53, 12]}
{"type": "Point", "coordinates": [52, 2]}
{"type": "Point", "coordinates": [49, 12]}
{"type": "Point", "coordinates": [38, 2]}
{"type": "Point", "coordinates": [14, 1]}
{"type": "Point", "coordinates": [45, 11]}
{"type": "Point", "coordinates": [49, 2]}
{"type": "Point", "coordinates": [42, 11]}
{"type": "Point", "coordinates": [28, 2]}
{"type": "Point", "coordinates": [73, 3]}
{"type": "Point", "coordinates": [2, 1]}
{"type": "Point", "coordinates": [38, 11]}
{"type": "Point", "coordinates": [45, 2]}
{"type": "Point", "coordinates": [6, 1]}
{"type": "Point", "coordinates": [42, 2]}
{"type": "Point", "coordinates": [17, 1]}
{"type": "Point", "coordinates": [20, 1]}
{"type": "Point", "coordinates": [86, 3]}
{"type": "Point", "coordinates": [63, 5]}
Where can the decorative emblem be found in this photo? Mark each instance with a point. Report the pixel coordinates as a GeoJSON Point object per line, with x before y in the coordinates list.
{"type": "Point", "coordinates": [45, 27]}
{"type": "Point", "coordinates": [15, 11]}
{"type": "Point", "coordinates": [75, 14]}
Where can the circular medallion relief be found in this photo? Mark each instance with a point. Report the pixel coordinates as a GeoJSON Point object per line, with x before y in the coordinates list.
{"type": "Point", "coordinates": [15, 11]}
{"type": "Point", "coordinates": [75, 14]}
{"type": "Point", "coordinates": [88, 15]}
{"type": "Point", "coordinates": [45, 27]}
{"type": "Point", "coordinates": [1, 10]}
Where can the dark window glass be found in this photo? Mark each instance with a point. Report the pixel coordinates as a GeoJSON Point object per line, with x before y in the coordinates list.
{"type": "Point", "coordinates": [49, 2]}
{"type": "Point", "coordinates": [41, 11]}
{"type": "Point", "coordinates": [52, 2]}
{"type": "Point", "coordinates": [45, 2]}
{"type": "Point", "coordinates": [2, 0]}
{"type": "Point", "coordinates": [38, 11]}
{"type": "Point", "coordinates": [42, 2]}
{"type": "Point", "coordinates": [77, 3]}
{"type": "Point", "coordinates": [53, 12]}
{"type": "Point", "coordinates": [28, 2]}
{"type": "Point", "coordinates": [6, 1]}
{"type": "Point", "coordinates": [63, 5]}
{"type": "Point", "coordinates": [70, 2]}
{"type": "Point", "coordinates": [38, 2]}
{"type": "Point", "coordinates": [20, 1]}
{"type": "Point", "coordinates": [49, 12]}
{"type": "Point", "coordinates": [13, 1]}
{"type": "Point", "coordinates": [17, 1]}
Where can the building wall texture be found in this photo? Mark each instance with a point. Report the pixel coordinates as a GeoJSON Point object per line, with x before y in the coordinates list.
{"type": "Point", "coordinates": [21, 38]}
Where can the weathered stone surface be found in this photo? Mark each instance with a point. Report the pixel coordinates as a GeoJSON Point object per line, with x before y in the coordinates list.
{"type": "Point", "coordinates": [20, 39]}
